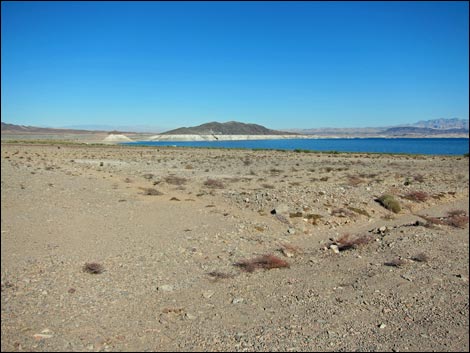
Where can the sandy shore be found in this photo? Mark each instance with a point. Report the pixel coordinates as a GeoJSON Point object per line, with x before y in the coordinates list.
{"type": "Point", "coordinates": [177, 231]}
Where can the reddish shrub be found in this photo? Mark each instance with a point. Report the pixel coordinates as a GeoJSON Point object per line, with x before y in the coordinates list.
{"type": "Point", "coordinates": [264, 261]}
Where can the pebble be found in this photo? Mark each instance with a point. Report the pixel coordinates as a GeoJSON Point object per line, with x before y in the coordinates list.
{"type": "Point", "coordinates": [165, 288]}
{"type": "Point", "coordinates": [334, 248]}
{"type": "Point", "coordinates": [237, 300]}
{"type": "Point", "coordinates": [190, 316]}
{"type": "Point", "coordinates": [382, 326]}
{"type": "Point", "coordinates": [287, 253]}
{"type": "Point", "coordinates": [208, 293]}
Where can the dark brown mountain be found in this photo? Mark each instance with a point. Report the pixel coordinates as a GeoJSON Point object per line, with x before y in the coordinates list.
{"type": "Point", "coordinates": [229, 128]}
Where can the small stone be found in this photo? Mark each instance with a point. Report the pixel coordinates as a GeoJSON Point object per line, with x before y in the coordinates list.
{"type": "Point", "coordinates": [282, 208]}
{"type": "Point", "coordinates": [237, 300]}
{"type": "Point", "coordinates": [190, 316]}
{"type": "Point", "coordinates": [334, 248]}
{"type": "Point", "coordinates": [208, 293]}
{"type": "Point", "coordinates": [165, 288]}
{"type": "Point", "coordinates": [382, 326]}
{"type": "Point", "coordinates": [291, 231]}
{"type": "Point", "coordinates": [287, 253]}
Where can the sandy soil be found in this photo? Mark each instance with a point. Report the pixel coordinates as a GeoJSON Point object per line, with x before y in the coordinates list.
{"type": "Point", "coordinates": [167, 226]}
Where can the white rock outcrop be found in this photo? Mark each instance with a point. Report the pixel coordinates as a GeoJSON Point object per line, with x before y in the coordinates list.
{"type": "Point", "coordinates": [117, 138]}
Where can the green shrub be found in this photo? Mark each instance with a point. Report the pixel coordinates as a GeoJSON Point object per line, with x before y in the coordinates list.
{"type": "Point", "coordinates": [389, 202]}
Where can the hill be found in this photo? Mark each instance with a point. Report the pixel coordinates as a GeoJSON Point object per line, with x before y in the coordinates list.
{"type": "Point", "coordinates": [228, 128]}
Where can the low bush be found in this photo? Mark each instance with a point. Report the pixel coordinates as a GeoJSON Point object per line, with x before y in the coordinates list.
{"type": "Point", "coordinates": [264, 261]}
{"type": "Point", "coordinates": [389, 202]}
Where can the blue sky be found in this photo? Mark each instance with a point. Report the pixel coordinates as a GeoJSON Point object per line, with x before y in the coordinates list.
{"type": "Point", "coordinates": [278, 64]}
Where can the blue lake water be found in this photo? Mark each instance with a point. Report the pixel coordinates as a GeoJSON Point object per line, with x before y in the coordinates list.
{"type": "Point", "coordinates": [432, 146]}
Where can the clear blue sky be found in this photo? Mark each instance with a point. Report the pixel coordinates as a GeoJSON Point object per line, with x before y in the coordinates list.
{"type": "Point", "coordinates": [279, 64]}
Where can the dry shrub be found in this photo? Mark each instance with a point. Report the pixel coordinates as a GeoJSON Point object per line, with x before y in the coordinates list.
{"type": "Point", "coordinates": [389, 202]}
{"type": "Point", "coordinates": [419, 178]}
{"type": "Point", "coordinates": [418, 196]}
{"type": "Point", "coordinates": [313, 218]}
{"type": "Point", "coordinates": [220, 275]}
{"type": "Point", "coordinates": [457, 219]}
{"type": "Point", "coordinates": [396, 263]}
{"type": "Point", "coordinates": [151, 192]}
{"type": "Point", "coordinates": [359, 211]}
{"type": "Point", "coordinates": [291, 248]}
{"type": "Point", "coordinates": [264, 261]}
{"type": "Point", "coordinates": [354, 180]}
{"type": "Point", "coordinates": [295, 214]}
{"type": "Point", "coordinates": [421, 257]}
{"type": "Point", "coordinates": [275, 171]}
{"type": "Point", "coordinates": [456, 213]}
{"type": "Point", "coordinates": [93, 267]}
{"type": "Point", "coordinates": [346, 241]}
{"type": "Point", "coordinates": [342, 212]}
{"type": "Point", "coordinates": [175, 180]}
{"type": "Point", "coordinates": [214, 184]}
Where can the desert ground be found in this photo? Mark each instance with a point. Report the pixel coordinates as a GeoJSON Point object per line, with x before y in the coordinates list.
{"type": "Point", "coordinates": [117, 248]}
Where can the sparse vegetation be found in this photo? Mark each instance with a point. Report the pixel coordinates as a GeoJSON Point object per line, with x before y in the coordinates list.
{"type": "Point", "coordinates": [346, 241]}
{"type": "Point", "coordinates": [266, 262]}
{"type": "Point", "coordinates": [421, 257]}
{"type": "Point", "coordinates": [389, 202]}
{"type": "Point", "coordinates": [456, 219]}
{"type": "Point", "coordinates": [216, 275]}
{"type": "Point", "coordinates": [355, 180]}
{"type": "Point", "coordinates": [396, 262]}
{"type": "Point", "coordinates": [214, 184]}
{"type": "Point", "coordinates": [93, 267]}
{"type": "Point", "coordinates": [359, 211]}
{"type": "Point", "coordinates": [175, 180]}
{"type": "Point", "coordinates": [151, 192]}
{"type": "Point", "coordinates": [418, 196]}
{"type": "Point", "coordinates": [342, 212]}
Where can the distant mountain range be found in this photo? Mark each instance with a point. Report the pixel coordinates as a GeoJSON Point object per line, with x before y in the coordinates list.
{"type": "Point", "coordinates": [438, 127]}
{"type": "Point", "coordinates": [21, 129]}
{"type": "Point", "coordinates": [422, 128]}
{"type": "Point", "coordinates": [29, 130]}
{"type": "Point", "coordinates": [453, 123]}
